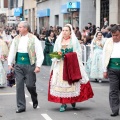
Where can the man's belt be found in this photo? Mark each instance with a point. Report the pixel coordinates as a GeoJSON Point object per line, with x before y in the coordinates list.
{"type": "Point", "coordinates": [114, 63]}
{"type": "Point", "coordinates": [22, 58]}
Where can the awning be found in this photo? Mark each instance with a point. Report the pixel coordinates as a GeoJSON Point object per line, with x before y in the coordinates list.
{"type": "Point", "coordinates": [43, 13]}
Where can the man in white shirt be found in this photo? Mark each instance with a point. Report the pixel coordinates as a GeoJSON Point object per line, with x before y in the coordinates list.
{"type": "Point", "coordinates": [27, 55]}
{"type": "Point", "coordinates": [111, 64]}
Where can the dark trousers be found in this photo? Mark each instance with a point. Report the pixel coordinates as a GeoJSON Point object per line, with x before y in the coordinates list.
{"type": "Point", "coordinates": [114, 92]}
{"type": "Point", "coordinates": [25, 74]}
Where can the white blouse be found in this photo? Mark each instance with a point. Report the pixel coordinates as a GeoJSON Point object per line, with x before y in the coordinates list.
{"type": "Point", "coordinates": [22, 48]}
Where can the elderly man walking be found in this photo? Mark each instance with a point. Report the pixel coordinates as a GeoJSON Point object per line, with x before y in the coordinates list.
{"type": "Point", "coordinates": [27, 55]}
{"type": "Point", "coordinates": [111, 63]}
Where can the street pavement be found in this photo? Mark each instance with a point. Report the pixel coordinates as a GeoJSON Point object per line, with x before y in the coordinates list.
{"type": "Point", "coordinates": [96, 108]}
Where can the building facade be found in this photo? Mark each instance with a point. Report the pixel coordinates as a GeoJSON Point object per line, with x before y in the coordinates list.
{"type": "Point", "coordinates": [42, 13]}
{"type": "Point", "coordinates": [85, 11]}
{"type": "Point", "coordinates": [75, 12]}
{"type": "Point", "coordinates": [30, 13]}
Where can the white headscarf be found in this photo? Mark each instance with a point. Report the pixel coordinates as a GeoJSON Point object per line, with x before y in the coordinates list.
{"type": "Point", "coordinates": [74, 41]}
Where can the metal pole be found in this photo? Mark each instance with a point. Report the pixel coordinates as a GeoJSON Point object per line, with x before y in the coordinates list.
{"type": "Point", "coordinates": [85, 61]}
{"type": "Point", "coordinates": [8, 11]}
{"type": "Point", "coordinates": [71, 18]}
{"type": "Point", "coordinates": [23, 9]}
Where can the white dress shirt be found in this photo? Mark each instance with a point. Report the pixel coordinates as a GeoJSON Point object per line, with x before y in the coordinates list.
{"type": "Point", "coordinates": [22, 48]}
{"type": "Point", "coordinates": [116, 49]}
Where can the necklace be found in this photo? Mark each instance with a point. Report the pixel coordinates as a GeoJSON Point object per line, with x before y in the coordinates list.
{"type": "Point", "coordinates": [66, 38]}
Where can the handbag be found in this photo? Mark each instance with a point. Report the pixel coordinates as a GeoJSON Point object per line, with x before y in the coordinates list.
{"type": "Point", "coordinates": [10, 78]}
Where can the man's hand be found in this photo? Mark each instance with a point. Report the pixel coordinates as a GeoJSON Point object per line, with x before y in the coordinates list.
{"type": "Point", "coordinates": [105, 74]}
{"type": "Point", "coordinates": [10, 67]}
{"type": "Point", "coordinates": [37, 70]}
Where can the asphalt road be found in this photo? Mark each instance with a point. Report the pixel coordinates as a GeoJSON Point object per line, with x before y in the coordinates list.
{"type": "Point", "coordinates": [96, 108]}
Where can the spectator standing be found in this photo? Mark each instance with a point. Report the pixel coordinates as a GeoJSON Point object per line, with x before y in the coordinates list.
{"type": "Point", "coordinates": [105, 22]}
{"type": "Point", "coordinates": [49, 44]}
{"type": "Point", "coordinates": [78, 33]}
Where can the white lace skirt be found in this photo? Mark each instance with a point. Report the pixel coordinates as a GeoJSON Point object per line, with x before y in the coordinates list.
{"type": "Point", "coordinates": [3, 80]}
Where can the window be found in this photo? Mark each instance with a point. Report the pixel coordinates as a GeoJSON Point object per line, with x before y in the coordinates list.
{"type": "Point", "coordinates": [104, 11]}
{"type": "Point", "coordinates": [5, 3]}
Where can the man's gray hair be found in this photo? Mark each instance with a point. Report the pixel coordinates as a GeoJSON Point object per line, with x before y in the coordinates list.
{"type": "Point", "coordinates": [115, 28]}
{"type": "Point", "coordinates": [108, 28]}
{"type": "Point", "coordinates": [25, 24]}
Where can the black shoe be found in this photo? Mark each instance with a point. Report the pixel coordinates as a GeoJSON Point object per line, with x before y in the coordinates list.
{"type": "Point", "coordinates": [19, 111]}
{"type": "Point", "coordinates": [35, 106]}
{"type": "Point", "coordinates": [73, 105]}
{"type": "Point", "coordinates": [114, 114]}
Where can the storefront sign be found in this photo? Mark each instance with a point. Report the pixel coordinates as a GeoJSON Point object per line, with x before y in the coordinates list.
{"type": "Point", "coordinates": [43, 13]}
{"type": "Point", "coordinates": [17, 11]}
{"type": "Point", "coordinates": [73, 5]}
{"type": "Point", "coordinates": [72, 9]}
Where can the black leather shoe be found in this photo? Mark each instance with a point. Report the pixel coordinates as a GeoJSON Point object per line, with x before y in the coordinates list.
{"type": "Point", "coordinates": [35, 106]}
{"type": "Point", "coordinates": [114, 114]}
{"type": "Point", "coordinates": [19, 111]}
{"type": "Point", "coordinates": [73, 105]}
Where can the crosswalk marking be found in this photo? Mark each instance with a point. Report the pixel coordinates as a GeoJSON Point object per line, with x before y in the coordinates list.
{"type": "Point", "coordinates": [7, 93]}
{"type": "Point", "coordinates": [12, 94]}
{"type": "Point", "coordinates": [32, 104]}
{"type": "Point", "coordinates": [97, 87]}
{"type": "Point", "coordinates": [46, 117]}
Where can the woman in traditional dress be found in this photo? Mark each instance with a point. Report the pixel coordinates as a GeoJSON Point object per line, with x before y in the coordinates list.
{"type": "Point", "coordinates": [49, 44]}
{"type": "Point", "coordinates": [3, 57]}
{"type": "Point", "coordinates": [95, 61]}
{"type": "Point", "coordinates": [61, 90]}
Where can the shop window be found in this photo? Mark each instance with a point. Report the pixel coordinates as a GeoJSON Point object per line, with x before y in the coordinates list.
{"type": "Point", "coordinates": [42, 21]}
{"type": "Point", "coordinates": [56, 19]}
{"type": "Point", "coordinates": [75, 19]}
{"type": "Point", "coordinates": [67, 18]}
{"type": "Point", "coordinates": [72, 18]}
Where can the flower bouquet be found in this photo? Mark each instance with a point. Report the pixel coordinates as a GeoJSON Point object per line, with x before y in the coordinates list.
{"type": "Point", "coordinates": [57, 55]}
{"type": "Point", "coordinates": [10, 78]}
